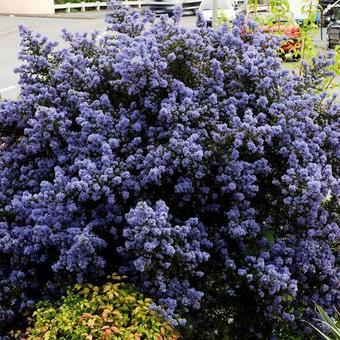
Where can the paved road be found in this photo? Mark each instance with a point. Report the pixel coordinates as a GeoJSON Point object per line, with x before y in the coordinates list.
{"type": "Point", "coordinates": [9, 42]}
{"type": "Point", "coordinates": [51, 27]}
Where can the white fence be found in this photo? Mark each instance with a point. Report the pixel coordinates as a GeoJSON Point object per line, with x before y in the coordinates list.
{"type": "Point", "coordinates": [98, 5]}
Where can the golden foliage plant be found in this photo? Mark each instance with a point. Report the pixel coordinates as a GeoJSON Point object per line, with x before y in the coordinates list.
{"type": "Point", "coordinates": [112, 311]}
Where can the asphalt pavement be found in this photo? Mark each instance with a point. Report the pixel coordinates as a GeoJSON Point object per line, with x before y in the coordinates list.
{"type": "Point", "coordinates": [51, 27]}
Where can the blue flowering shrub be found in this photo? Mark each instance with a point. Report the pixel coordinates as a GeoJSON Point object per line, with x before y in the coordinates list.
{"type": "Point", "coordinates": [185, 159]}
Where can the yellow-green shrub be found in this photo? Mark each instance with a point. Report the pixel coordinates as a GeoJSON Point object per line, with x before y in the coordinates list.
{"type": "Point", "coordinates": [112, 311]}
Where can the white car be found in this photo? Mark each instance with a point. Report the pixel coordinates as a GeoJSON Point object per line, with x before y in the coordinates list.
{"type": "Point", "coordinates": [225, 10]}
{"type": "Point", "coordinates": [162, 6]}
{"type": "Point", "coordinates": [168, 6]}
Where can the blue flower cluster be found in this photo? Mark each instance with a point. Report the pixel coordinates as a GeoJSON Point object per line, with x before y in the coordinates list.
{"type": "Point", "coordinates": [165, 256]}
{"type": "Point", "coordinates": [187, 158]}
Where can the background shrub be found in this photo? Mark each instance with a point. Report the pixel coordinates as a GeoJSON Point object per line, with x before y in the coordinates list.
{"type": "Point", "coordinates": [112, 311]}
{"type": "Point", "coordinates": [187, 158]}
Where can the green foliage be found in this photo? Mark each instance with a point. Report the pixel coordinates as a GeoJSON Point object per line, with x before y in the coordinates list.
{"type": "Point", "coordinates": [112, 311]}
{"type": "Point", "coordinates": [336, 66]}
{"type": "Point", "coordinates": [332, 324]}
{"type": "Point", "coordinates": [223, 19]}
{"type": "Point", "coordinates": [280, 11]}
{"type": "Point", "coordinates": [253, 5]}
{"type": "Point", "coordinates": [337, 60]}
{"type": "Point", "coordinates": [308, 29]}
